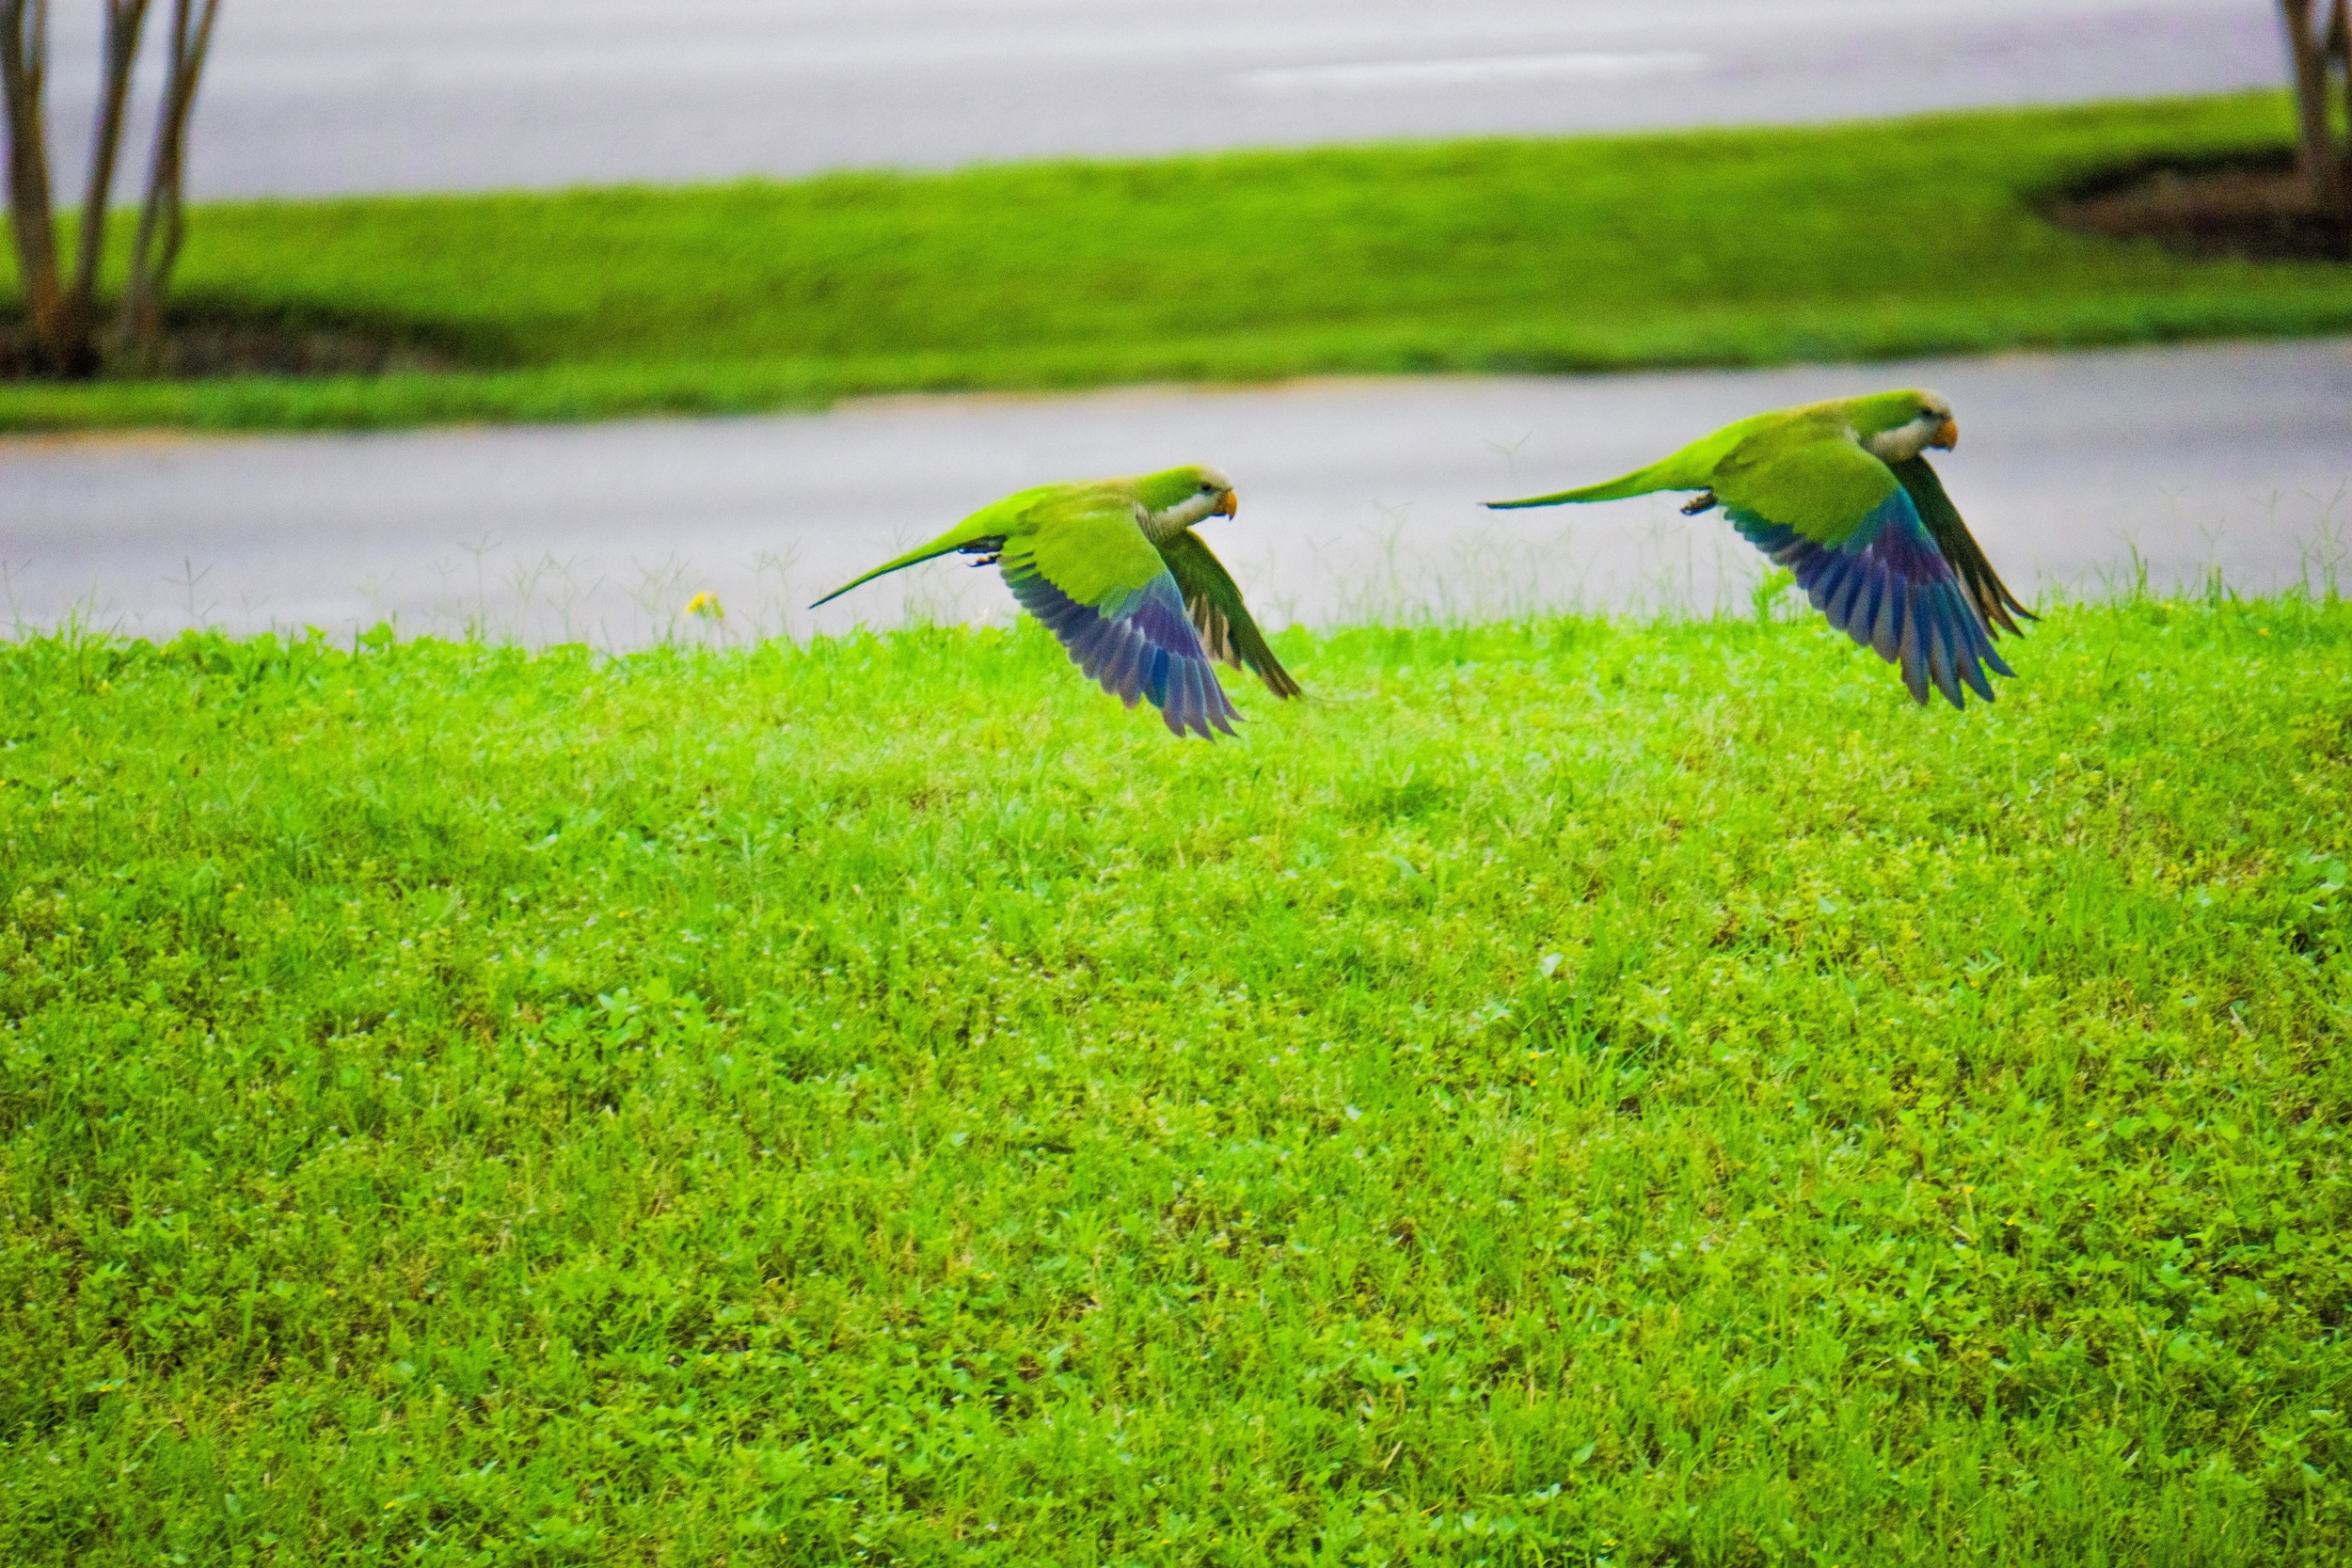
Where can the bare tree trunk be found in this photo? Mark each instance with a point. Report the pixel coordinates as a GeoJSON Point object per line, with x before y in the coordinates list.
{"type": "Point", "coordinates": [157, 249]}
{"type": "Point", "coordinates": [64, 314]}
{"type": "Point", "coordinates": [2323, 167]}
{"type": "Point", "coordinates": [124, 20]}
{"type": "Point", "coordinates": [2340, 45]}
{"type": "Point", "coordinates": [24, 67]}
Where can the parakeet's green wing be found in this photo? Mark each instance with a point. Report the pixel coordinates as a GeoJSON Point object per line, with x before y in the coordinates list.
{"type": "Point", "coordinates": [1080, 564]}
{"type": "Point", "coordinates": [1807, 475]}
{"type": "Point", "coordinates": [1815, 502]}
{"type": "Point", "coordinates": [1991, 596]}
{"type": "Point", "coordinates": [1214, 601]}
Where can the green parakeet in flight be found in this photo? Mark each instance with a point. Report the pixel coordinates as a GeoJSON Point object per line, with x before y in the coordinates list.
{"type": "Point", "coordinates": [1113, 569]}
{"type": "Point", "coordinates": [1839, 494]}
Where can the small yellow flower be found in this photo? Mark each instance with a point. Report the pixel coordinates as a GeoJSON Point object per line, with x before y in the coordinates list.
{"type": "Point", "coordinates": [707, 606]}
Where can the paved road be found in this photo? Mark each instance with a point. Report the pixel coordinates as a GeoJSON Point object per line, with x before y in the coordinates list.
{"type": "Point", "coordinates": [309, 97]}
{"type": "Point", "coordinates": [1357, 499]}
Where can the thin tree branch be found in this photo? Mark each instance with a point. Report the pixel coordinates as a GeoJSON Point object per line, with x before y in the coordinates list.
{"type": "Point", "coordinates": [124, 21]}
{"type": "Point", "coordinates": [2339, 44]}
{"type": "Point", "coordinates": [184, 106]}
{"type": "Point", "coordinates": [156, 247]}
{"type": "Point", "coordinates": [135, 306]}
{"type": "Point", "coordinates": [2322, 169]}
{"type": "Point", "coordinates": [32, 221]}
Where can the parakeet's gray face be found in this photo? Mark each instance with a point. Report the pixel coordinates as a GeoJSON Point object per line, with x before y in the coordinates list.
{"type": "Point", "coordinates": [1214, 498]}
{"type": "Point", "coordinates": [1932, 427]}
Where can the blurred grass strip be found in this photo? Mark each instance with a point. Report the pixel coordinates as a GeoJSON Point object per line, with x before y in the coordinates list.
{"type": "Point", "coordinates": [1719, 247]}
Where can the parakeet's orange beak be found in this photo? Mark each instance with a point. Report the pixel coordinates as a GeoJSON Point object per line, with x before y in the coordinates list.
{"type": "Point", "coordinates": [1947, 435]}
{"type": "Point", "coordinates": [1227, 505]}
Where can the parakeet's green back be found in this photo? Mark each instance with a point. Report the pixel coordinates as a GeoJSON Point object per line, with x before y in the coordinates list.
{"type": "Point", "coordinates": [1084, 540]}
{"type": "Point", "coordinates": [1805, 473]}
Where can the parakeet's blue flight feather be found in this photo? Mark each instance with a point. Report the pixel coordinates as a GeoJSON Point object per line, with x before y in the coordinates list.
{"type": "Point", "coordinates": [1886, 586]}
{"type": "Point", "coordinates": [1143, 647]}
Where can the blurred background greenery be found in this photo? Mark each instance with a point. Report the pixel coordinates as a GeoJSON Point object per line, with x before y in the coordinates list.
{"type": "Point", "coordinates": [1711, 247]}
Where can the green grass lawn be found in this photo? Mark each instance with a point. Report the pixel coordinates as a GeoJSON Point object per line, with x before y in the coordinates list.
{"type": "Point", "coordinates": [1568, 1092]}
{"type": "Point", "coordinates": [1718, 248]}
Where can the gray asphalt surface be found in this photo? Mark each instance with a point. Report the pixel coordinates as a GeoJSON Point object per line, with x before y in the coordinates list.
{"type": "Point", "coordinates": [1356, 495]}
{"type": "Point", "coordinates": [1357, 498]}
{"type": "Point", "coordinates": [310, 97]}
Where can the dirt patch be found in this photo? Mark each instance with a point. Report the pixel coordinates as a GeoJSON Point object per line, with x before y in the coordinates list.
{"type": "Point", "coordinates": [2253, 205]}
{"type": "Point", "coordinates": [201, 343]}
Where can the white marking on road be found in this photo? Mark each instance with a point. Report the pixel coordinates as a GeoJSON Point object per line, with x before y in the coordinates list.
{"type": "Point", "coordinates": [1585, 67]}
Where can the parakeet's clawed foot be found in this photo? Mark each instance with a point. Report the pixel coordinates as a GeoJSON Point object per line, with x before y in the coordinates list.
{"type": "Point", "coordinates": [988, 561]}
{"type": "Point", "coordinates": [1703, 502]}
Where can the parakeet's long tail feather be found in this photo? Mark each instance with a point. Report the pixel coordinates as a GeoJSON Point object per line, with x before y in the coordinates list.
{"type": "Point", "coordinates": [938, 546]}
{"type": "Point", "coordinates": [1692, 468]}
{"type": "Point", "coordinates": [1641, 482]}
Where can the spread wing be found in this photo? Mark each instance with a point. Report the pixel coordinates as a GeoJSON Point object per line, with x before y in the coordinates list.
{"type": "Point", "coordinates": [1214, 601]}
{"type": "Point", "coordinates": [1837, 517]}
{"type": "Point", "coordinates": [1986, 591]}
{"type": "Point", "coordinates": [1080, 564]}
